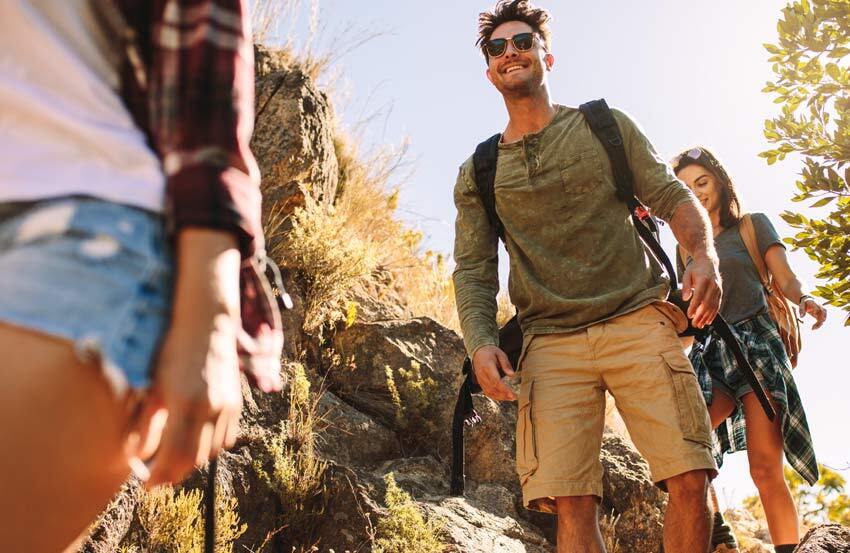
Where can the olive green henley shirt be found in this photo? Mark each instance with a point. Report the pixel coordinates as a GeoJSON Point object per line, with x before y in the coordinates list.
{"type": "Point", "coordinates": [575, 258]}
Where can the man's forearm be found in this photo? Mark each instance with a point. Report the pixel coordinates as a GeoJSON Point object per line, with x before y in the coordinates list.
{"type": "Point", "coordinates": [692, 229]}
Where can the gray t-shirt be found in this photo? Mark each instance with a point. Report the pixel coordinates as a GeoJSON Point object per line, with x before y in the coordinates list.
{"type": "Point", "coordinates": [743, 295]}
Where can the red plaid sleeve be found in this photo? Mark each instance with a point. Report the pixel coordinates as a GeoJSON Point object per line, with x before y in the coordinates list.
{"type": "Point", "coordinates": [200, 114]}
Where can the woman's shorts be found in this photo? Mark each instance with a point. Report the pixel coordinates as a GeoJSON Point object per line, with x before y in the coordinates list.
{"type": "Point", "coordinates": [95, 273]}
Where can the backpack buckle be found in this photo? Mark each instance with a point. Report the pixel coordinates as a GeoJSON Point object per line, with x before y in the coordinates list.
{"type": "Point", "coordinates": [642, 212]}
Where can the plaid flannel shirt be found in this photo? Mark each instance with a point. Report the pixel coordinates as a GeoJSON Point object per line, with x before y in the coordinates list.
{"type": "Point", "coordinates": [188, 81]}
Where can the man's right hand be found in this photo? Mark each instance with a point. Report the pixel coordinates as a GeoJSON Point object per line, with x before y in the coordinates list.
{"type": "Point", "coordinates": [486, 363]}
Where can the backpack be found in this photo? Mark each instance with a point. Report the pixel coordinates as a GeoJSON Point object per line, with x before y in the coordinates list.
{"type": "Point", "coordinates": [605, 128]}
{"type": "Point", "coordinates": [777, 304]}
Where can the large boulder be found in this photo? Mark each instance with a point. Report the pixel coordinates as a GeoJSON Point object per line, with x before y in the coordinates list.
{"type": "Point", "coordinates": [351, 437]}
{"type": "Point", "coordinates": [405, 374]}
{"type": "Point", "coordinates": [293, 136]}
{"type": "Point", "coordinates": [829, 538]}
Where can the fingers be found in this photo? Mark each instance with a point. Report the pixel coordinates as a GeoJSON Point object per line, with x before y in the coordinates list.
{"type": "Point", "coordinates": [505, 363]}
{"type": "Point", "coordinates": [818, 312]}
{"type": "Point", "coordinates": [487, 374]}
{"type": "Point", "coordinates": [184, 440]}
{"type": "Point", "coordinates": [705, 303]}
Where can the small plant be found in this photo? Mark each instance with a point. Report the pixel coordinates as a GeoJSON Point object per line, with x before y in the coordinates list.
{"type": "Point", "coordinates": [416, 409]}
{"type": "Point", "coordinates": [291, 468]}
{"type": "Point", "coordinates": [404, 528]}
{"type": "Point", "coordinates": [608, 527]}
{"type": "Point", "coordinates": [174, 522]}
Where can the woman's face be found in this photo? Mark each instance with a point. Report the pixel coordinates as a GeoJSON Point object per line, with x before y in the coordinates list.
{"type": "Point", "coordinates": [704, 185]}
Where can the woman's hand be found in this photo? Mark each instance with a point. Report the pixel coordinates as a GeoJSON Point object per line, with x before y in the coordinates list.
{"type": "Point", "coordinates": [194, 405]}
{"type": "Point", "coordinates": [809, 306]}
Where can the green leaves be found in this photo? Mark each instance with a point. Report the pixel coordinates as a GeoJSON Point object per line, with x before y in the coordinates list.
{"type": "Point", "coordinates": [811, 70]}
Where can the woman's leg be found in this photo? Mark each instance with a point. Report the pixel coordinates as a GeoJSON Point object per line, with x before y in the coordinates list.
{"type": "Point", "coordinates": [721, 407]}
{"type": "Point", "coordinates": [62, 432]}
{"type": "Point", "coordinates": [765, 454]}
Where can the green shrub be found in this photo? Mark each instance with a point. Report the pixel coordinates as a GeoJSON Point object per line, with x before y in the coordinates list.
{"type": "Point", "coordinates": [290, 467]}
{"type": "Point", "coordinates": [404, 528]}
{"type": "Point", "coordinates": [173, 521]}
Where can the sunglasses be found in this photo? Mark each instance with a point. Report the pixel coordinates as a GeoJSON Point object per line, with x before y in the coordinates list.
{"type": "Point", "coordinates": [496, 47]}
{"type": "Point", "coordinates": [693, 153]}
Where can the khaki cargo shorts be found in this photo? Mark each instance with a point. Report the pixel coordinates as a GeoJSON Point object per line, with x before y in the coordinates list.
{"type": "Point", "coordinates": [561, 413]}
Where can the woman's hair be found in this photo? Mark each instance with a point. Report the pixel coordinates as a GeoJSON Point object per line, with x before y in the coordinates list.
{"type": "Point", "coordinates": [730, 205]}
{"type": "Point", "coordinates": [513, 10]}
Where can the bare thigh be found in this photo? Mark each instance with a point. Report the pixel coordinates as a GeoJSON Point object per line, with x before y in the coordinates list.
{"type": "Point", "coordinates": [62, 430]}
{"type": "Point", "coordinates": [721, 407]}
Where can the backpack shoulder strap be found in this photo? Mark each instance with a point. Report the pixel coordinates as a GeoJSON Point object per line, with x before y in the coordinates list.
{"type": "Point", "coordinates": [748, 235]}
{"type": "Point", "coordinates": [604, 126]}
{"type": "Point", "coordinates": [484, 163]}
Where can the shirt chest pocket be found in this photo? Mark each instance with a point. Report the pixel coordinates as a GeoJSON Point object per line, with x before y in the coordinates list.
{"type": "Point", "coordinates": [581, 173]}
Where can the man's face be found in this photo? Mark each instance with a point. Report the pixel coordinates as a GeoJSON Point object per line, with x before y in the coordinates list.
{"type": "Point", "coordinates": [518, 73]}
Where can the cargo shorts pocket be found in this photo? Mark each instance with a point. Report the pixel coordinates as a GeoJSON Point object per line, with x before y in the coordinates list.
{"type": "Point", "coordinates": [690, 405]}
{"type": "Point", "coordinates": [526, 440]}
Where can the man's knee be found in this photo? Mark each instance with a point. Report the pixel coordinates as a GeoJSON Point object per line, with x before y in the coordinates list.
{"type": "Point", "coordinates": [692, 485]}
{"type": "Point", "coordinates": [577, 508]}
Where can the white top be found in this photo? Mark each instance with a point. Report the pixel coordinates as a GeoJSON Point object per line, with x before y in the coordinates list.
{"type": "Point", "coordinates": [63, 127]}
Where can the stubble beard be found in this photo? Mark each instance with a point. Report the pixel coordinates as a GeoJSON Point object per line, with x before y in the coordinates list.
{"type": "Point", "coordinates": [523, 89]}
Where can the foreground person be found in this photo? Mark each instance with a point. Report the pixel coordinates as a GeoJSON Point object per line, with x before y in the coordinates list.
{"type": "Point", "coordinates": [129, 206]}
{"type": "Point", "coordinates": [739, 420]}
{"type": "Point", "coordinates": [587, 295]}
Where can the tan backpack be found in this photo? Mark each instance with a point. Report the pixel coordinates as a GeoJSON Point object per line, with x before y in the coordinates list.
{"type": "Point", "coordinates": [780, 309]}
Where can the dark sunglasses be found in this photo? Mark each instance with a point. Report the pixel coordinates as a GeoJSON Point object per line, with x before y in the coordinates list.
{"type": "Point", "coordinates": [496, 47]}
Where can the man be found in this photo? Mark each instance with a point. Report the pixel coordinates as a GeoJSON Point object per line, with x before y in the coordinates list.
{"type": "Point", "coordinates": [590, 301]}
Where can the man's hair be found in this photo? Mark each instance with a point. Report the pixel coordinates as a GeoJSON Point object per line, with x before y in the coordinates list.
{"type": "Point", "coordinates": [730, 205]}
{"type": "Point", "coordinates": [514, 10]}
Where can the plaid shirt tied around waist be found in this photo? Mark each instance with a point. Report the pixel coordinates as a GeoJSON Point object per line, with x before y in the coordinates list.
{"type": "Point", "coordinates": [762, 344]}
{"type": "Point", "coordinates": [188, 81]}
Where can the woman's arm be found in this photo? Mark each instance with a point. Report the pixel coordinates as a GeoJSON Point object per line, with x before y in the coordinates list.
{"type": "Point", "coordinates": [790, 285]}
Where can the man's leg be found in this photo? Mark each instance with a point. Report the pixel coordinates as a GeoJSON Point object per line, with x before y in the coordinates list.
{"type": "Point", "coordinates": [686, 523]}
{"type": "Point", "coordinates": [578, 525]}
{"type": "Point", "coordinates": [61, 429]}
{"type": "Point", "coordinates": [658, 396]}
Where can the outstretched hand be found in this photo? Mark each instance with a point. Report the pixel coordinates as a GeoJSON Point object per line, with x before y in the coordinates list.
{"type": "Point", "coordinates": [486, 363]}
{"type": "Point", "coordinates": [701, 286]}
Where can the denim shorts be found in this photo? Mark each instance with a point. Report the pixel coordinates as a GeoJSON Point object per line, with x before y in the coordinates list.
{"type": "Point", "coordinates": [95, 273]}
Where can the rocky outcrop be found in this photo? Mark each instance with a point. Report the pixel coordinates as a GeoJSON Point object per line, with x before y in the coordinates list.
{"type": "Point", "coordinates": [829, 538]}
{"type": "Point", "coordinates": [293, 136]}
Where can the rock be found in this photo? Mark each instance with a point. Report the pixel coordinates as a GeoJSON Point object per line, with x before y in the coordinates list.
{"type": "Point", "coordinates": [377, 356]}
{"type": "Point", "coordinates": [473, 526]}
{"type": "Point", "coordinates": [752, 533]}
{"type": "Point", "coordinates": [490, 452]}
{"type": "Point", "coordinates": [829, 538]}
{"type": "Point", "coordinates": [350, 437]}
{"type": "Point", "coordinates": [293, 137]}
{"type": "Point", "coordinates": [628, 493]}
{"type": "Point", "coordinates": [115, 521]}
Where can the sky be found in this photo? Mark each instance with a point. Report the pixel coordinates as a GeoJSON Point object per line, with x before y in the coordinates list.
{"type": "Point", "coordinates": [688, 72]}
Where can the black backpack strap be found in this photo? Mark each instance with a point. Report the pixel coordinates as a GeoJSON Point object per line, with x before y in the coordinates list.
{"type": "Point", "coordinates": [604, 126]}
{"type": "Point", "coordinates": [484, 162]}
